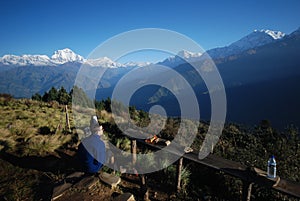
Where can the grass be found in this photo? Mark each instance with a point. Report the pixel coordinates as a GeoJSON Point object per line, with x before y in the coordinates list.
{"type": "Point", "coordinates": [32, 128]}
{"type": "Point", "coordinates": [29, 128]}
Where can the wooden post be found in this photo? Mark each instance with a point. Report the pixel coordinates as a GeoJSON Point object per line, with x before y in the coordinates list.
{"type": "Point", "coordinates": [133, 151]}
{"type": "Point", "coordinates": [179, 168]}
{"type": "Point", "coordinates": [67, 120]}
{"type": "Point", "coordinates": [247, 187]}
{"type": "Point", "coordinates": [144, 188]}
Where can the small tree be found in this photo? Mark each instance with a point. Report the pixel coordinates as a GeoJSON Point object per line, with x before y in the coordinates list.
{"type": "Point", "coordinates": [80, 98]}
{"type": "Point", "coordinates": [63, 97]}
{"type": "Point", "coordinates": [52, 94]}
{"type": "Point", "coordinates": [99, 105]}
{"type": "Point", "coordinates": [107, 104]}
{"type": "Point", "coordinates": [36, 97]}
{"type": "Point", "coordinates": [45, 97]}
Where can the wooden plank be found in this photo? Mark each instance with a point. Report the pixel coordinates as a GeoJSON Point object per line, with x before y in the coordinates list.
{"type": "Point", "coordinates": [87, 182]}
{"type": "Point", "coordinates": [240, 171]}
{"type": "Point", "coordinates": [255, 175]}
{"type": "Point", "coordinates": [76, 179]}
{"type": "Point", "coordinates": [59, 190]}
{"type": "Point", "coordinates": [288, 187]}
{"type": "Point", "coordinates": [110, 179]}
{"type": "Point", "coordinates": [230, 167]}
{"type": "Point", "coordinates": [235, 169]}
{"type": "Point", "coordinates": [278, 183]}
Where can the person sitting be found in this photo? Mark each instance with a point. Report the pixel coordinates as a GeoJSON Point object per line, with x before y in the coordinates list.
{"type": "Point", "coordinates": [91, 150]}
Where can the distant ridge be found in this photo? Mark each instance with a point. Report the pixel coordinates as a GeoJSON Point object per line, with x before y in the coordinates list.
{"type": "Point", "coordinates": [252, 40]}
{"type": "Point", "coordinates": [61, 57]}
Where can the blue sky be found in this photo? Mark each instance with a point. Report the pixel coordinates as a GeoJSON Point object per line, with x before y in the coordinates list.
{"type": "Point", "coordinates": [43, 26]}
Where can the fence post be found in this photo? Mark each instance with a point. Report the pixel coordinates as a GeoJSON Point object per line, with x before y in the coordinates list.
{"type": "Point", "coordinates": [67, 120]}
{"type": "Point", "coordinates": [133, 151]}
{"type": "Point", "coordinates": [179, 169]}
{"type": "Point", "coordinates": [247, 187]}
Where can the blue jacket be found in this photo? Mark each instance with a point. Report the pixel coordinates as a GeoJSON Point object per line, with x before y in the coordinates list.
{"type": "Point", "coordinates": [91, 153]}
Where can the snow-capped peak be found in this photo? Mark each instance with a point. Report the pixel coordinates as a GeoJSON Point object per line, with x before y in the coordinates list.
{"type": "Point", "coordinates": [108, 63]}
{"type": "Point", "coordinates": [103, 62]}
{"type": "Point", "coordinates": [25, 60]}
{"type": "Point", "coordinates": [66, 55]}
{"type": "Point", "coordinates": [257, 38]}
{"type": "Point", "coordinates": [181, 57]}
{"type": "Point", "coordinates": [253, 40]}
{"type": "Point", "coordinates": [274, 34]}
{"type": "Point", "coordinates": [187, 55]}
{"type": "Point", "coordinates": [137, 64]}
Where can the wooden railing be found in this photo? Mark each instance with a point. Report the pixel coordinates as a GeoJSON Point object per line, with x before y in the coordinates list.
{"type": "Point", "coordinates": [249, 175]}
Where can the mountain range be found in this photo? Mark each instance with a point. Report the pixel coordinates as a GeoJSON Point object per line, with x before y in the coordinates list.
{"type": "Point", "coordinates": [262, 82]}
{"type": "Point", "coordinates": [255, 39]}
{"type": "Point", "coordinates": [260, 73]}
{"type": "Point", "coordinates": [61, 57]}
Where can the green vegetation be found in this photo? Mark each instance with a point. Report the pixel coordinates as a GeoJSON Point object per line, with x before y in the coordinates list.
{"type": "Point", "coordinates": [76, 96]}
{"type": "Point", "coordinates": [36, 128]}
{"type": "Point", "coordinates": [62, 96]}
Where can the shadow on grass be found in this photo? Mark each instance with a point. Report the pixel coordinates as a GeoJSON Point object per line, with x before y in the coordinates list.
{"type": "Point", "coordinates": [63, 163]}
{"type": "Point", "coordinates": [50, 169]}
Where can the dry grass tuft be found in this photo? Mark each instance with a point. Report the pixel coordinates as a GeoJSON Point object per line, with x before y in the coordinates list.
{"type": "Point", "coordinates": [21, 123]}
{"type": "Point", "coordinates": [42, 145]}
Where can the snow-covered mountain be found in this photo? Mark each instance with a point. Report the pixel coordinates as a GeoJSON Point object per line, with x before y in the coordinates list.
{"type": "Point", "coordinates": [103, 62]}
{"type": "Point", "coordinates": [137, 64]}
{"type": "Point", "coordinates": [66, 55]}
{"type": "Point", "coordinates": [255, 39]}
{"type": "Point", "coordinates": [181, 57]}
{"type": "Point", "coordinates": [25, 60]}
{"type": "Point", "coordinates": [61, 57]}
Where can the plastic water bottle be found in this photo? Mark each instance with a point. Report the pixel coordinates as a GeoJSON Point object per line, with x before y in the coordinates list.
{"type": "Point", "coordinates": [271, 171]}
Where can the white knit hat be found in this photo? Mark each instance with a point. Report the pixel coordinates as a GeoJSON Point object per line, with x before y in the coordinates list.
{"type": "Point", "coordinates": [94, 122]}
